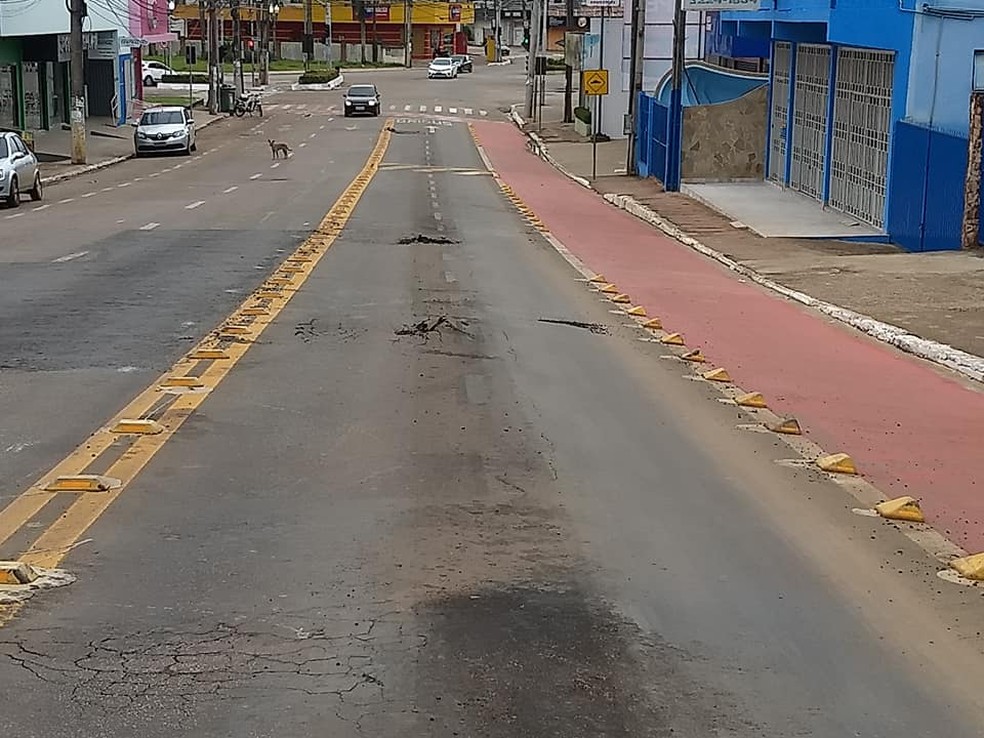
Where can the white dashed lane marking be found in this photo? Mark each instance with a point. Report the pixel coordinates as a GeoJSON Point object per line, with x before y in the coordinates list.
{"type": "Point", "coordinates": [256, 176]}
{"type": "Point", "coordinates": [149, 227]}
{"type": "Point", "coordinates": [69, 257]}
{"type": "Point", "coordinates": [228, 190]}
{"type": "Point", "coordinates": [197, 204]}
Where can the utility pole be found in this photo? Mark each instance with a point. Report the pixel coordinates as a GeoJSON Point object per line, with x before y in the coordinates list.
{"type": "Point", "coordinates": [308, 33]}
{"type": "Point", "coordinates": [408, 32]}
{"type": "Point", "coordinates": [237, 48]}
{"type": "Point", "coordinates": [637, 47]}
{"type": "Point", "coordinates": [531, 59]}
{"type": "Point", "coordinates": [970, 235]}
{"type": "Point", "coordinates": [375, 37]}
{"type": "Point", "coordinates": [264, 13]}
{"type": "Point", "coordinates": [568, 68]}
{"type": "Point", "coordinates": [213, 57]}
{"type": "Point", "coordinates": [78, 83]}
{"type": "Point", "coordinates": [671, 181]}
{"type": "Point", "coordinates": [362, 31]}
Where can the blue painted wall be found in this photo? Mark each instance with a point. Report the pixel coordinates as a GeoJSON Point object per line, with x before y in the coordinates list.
{"type": "Point", "coordinates": [705, 84]}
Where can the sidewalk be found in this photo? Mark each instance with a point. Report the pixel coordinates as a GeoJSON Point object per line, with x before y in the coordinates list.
{"type": "Point", "coordinates": [937, 296]}
{"type": "Point", "coordinates": [911, 428]}
{"type": "Point", "coordinates": [106, 145]}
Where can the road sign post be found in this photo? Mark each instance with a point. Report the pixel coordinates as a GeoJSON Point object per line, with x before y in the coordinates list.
{"type": "Point", "coordinates": [594, 82]}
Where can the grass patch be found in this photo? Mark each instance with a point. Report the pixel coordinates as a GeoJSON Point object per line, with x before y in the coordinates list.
{"type": "Point", "coordinates": [276, 65]}
{"type": "Point", "coordinates": [152, 99]}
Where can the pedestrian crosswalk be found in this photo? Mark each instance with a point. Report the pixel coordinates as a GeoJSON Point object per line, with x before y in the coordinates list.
{"type": "Point", "coordinates": [309, 109]}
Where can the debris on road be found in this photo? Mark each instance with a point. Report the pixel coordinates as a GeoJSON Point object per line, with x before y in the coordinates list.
{"type": "Point", "coordinates": [428, 326]}
{"type": "Point", "coordinates": [593, 327]}
{"type": "Point", "coordinates": [423, 238]}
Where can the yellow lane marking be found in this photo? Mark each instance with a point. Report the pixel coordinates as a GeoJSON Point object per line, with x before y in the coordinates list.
{"type": "Point", "coordinates": [54, 543]}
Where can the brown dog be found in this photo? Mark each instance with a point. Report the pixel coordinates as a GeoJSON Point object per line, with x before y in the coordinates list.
{"type": "Point", "coordinates": [276, 148]}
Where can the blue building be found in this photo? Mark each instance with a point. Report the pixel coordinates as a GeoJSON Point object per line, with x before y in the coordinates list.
{"type": "Point", "coordinates": [869, 106]}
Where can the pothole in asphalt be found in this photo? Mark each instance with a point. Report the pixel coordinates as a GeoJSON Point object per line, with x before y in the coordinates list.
{"type": "Point", "coordinates": [398, 132]}
{"type": "Point", "coordinates": [424, 238]}
{"type": "Point", "coordinates": [593, 327]}
{"type": "Point", "coordinates": [430, 326]}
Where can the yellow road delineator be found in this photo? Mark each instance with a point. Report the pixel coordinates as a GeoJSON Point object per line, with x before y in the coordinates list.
{"type": "Point", "coordinates": [254, 311]}
{"type": "Point", "coordinates": [673, 339]}
{"type": "Point", "coordinates": [599, 279]}
{"type": "Point", "coordinates": [637, 312]}
{"type": "Point", "coordinates": [300, 259]}
{"type": "Point", "coordinates": [271, 294]}
{"type": "Point", "coordinates": [16, 572]}
{"type": "Point", "coordinates": [787, 427]}
{"type": "Point", "coordinates": [622, 299]}
{"type": "Point", "coordinates": [608, 289]}
{"type": "Point", "coordinates": [695, 356]}
{"type": "Point", "coordinates": [751, 399]}
{"type": "Point", "coordinates": [182, 382]}
{"type": "Point", "coordinates": [970, 567]}
{"type": "Point", "coordinates": [279, 281]}
{"type": "Point", "coordinates": [717, 375]}
{"type": "Point", "coordinates": [209, 354]}
{"type": "Point", "coordinates": [81, 483]}
{"type": "Point", "coordinates": [901, 508]}
{"type": "Point", "coordinates": [837, 464]}
{"type": "Point", "coordinates": [235, 330]}
{"type": "Point", "coordinates": [653, 324]}
{"type": "Point", "coordinates": [292, 269]}
{"type": "Point", "coordinates": [137, 426]}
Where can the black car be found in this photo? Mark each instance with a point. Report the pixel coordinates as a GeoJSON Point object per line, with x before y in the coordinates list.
{"type": "Point", "coordinates": [464, 63]}
{"type": "Point", "coordinates": [361, 99]}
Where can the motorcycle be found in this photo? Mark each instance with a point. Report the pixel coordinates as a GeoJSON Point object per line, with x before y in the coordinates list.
{"type": "Point", "coordinates": [249, 103]}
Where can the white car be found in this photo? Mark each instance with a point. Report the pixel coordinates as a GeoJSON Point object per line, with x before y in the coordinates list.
{"type": "Point", "coordinates": [165, 128]}
{"type": "Point", "coordinates": [153, 71]}
{"type": "Point", "coordinates": [19, 170]}
{"type": "Point", "coordinates": [443, 67]}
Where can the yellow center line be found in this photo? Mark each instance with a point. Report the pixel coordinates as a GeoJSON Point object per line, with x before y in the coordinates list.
{"type": "Point", "coordinates": [53, 545]}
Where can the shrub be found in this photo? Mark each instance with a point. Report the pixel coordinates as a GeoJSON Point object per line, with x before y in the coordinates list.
{"type": "Point", "coordinates": [318, 77]}
{"type": "Point", "coordinates": [182, 79]}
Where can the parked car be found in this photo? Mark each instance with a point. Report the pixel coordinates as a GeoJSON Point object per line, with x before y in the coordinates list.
{"type": "Point", "coordinates": [19, 170]}
{"type": "Point", "coordinates": [153, 71]}
{"type": "Point", "coordinates": [165, 128]}
{"type": "Point", "coordinates": [442, 67]}
{"type": "Point", "coordinates": [464, 63]}
{"type": "Point", "coordinates": [361, 99]}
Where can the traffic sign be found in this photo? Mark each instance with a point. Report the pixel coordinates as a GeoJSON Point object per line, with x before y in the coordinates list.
{"type": "Point", "coordinates": [594, 81]}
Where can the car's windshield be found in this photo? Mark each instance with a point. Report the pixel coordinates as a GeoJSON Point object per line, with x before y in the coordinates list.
{"type": "Point", "coordinates": [442, 62]}
{"type": "Point", "coordinates": [362, 91]}
{"type": "Point", "coordinates": [4, 151]}
{"type": "Point", "coordinates": [161, 118]}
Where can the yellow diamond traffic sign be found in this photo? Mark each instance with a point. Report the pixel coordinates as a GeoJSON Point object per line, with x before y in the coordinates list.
{"type": "Point", "coordinates": [594, 81]}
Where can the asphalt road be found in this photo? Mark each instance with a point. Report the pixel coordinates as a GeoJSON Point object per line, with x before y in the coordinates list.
{"type": "Point", "coordinates": [523, 522]}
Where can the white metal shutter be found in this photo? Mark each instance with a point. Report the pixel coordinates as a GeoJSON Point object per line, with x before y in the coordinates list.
{"type": "Point", "coordinates": [862, 127]}
{"type": "Point", "coordinates": [781, 57]}
{"type": "Point", "coordinates": [810, 119]}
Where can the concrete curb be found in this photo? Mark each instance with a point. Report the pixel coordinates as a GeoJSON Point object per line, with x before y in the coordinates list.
{"type": "Point", "coordinates": [55, 179]}
{"type": "Point", "coordinates": [333, 85]}
{"type": "Point", "coordinates": [539, 148]}
{"type": "Point", "coordinates": [964, 363]}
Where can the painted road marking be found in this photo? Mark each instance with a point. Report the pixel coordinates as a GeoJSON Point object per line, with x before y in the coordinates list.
{"type": "Point", "coordinates": [155, 174]}
{"type": "Point", "coordinates": [312, 135]}
{"type": "Point", "coordinates": [483, 113]}
{"type": "Point", "coordinates": [149, 227]}
{"type": "Point", "coordinates": [124, 184]}
{"type": "Point", "coordinates": [54, 544]}
{"type": "Point", "coordinates": [301, 146]}
{"type": "Point", "coordinates": [39, 208]}
{"type": "Point", "coordinates": [194, 205]}
{"type": "Point", "coordinates": [438, 108]}
{"type": "Point", "coordinates": [275, 165]}
{"type": "Point", "coordinates": [228, 190]}
{"type": "Point", "coordinates": [468, 111]}
{"type": "Point", "coordinates": [15, 215]}
{"type": "Point", "coordinates": [89, 194]}
{"type": "Point", "coordinates": [423, 108]}
{"type": "Point", "coordinates": [453, 111]}
{"type": "Point", "coordinates": [407, 108]}
{"type": "Point", "coordinates": [106, 189]}
{"type": "Point", "coordinates": [66, 201]}
{"type": "Point", "coordinates": [256, 176]}
{"type": "Point", "coordinates": [69, 257]}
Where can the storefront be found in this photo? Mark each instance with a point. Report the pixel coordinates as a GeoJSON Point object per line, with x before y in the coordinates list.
{"type": "Point", "coordinates": [11, 101]}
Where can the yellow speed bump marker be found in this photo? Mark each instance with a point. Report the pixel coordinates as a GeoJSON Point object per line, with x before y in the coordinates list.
{"type": "Point", "coordinates": [253, 311]}
{"type": "Point", "coordinates": [16, 572]}
{"type": "Point", "coordinates": [82, 483]}
{"type": "Point", "coordinates": [182, 382]}
{"type": "Point", "coordinates": [970, 567]}
{"type": "Point", "coordinates": [653, 324]}
{"type": "Point", "coordinates": [235, 329]}
{"type": "Point", "coordinates": [622, 299]}
{"type": "Point", "coordinates": [279, 281]}
{"type": "Point", "coordinates": [786, 426]}
{"type": "Point", "coordinates": [270, 295]}
{"type": "Point", "coordinates": [207, 354]}
{"type": "Point", "coordinates": [901, 508]}
{"type": "Point", "coordinates": [637, 312]}
{"type": "Point", "coordinates": [599, 279]}
{"type": "Point", "coordinates": [717, 375]}
{"type": "Point", "coordinates": [837, 464]}
{"type": "Point", "coordinates": [609, 289]}
{"type": "Point", "coordinates": [695, 356]}
{"type": "Point", "coordinates": [674, 339]}
{"type": "Point", "coordinates": [751, 399]}
{"type": "Point", "coordinates": [138, 427]}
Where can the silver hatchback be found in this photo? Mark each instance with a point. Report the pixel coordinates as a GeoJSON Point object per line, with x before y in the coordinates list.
{"type": "Point", "coordinates": [19, 170]}
{"type": "Point", "coordinates": [165, 129]}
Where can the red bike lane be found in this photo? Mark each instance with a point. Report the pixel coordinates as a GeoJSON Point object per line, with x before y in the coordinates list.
{"type": "Point", "coordinates": [911, 429]}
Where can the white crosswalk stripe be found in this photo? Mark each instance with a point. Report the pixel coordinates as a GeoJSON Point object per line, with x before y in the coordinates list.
{"type": "Point", "coordinates": [438, 109]}
{"type": "Point", "coordinates": [308, 110]}
{"type": "Point", "coordinates": [468, 111]}
{"type": "Point", "coordinates": [406, 108]}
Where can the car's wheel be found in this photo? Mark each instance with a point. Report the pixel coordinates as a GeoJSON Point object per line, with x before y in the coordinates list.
{"type": "Point", "coordinates": [149, 81]}
{"type": "Point", "coordinates": [13, 195]}
{"type": "Point", "coordinates": [37, 192]}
